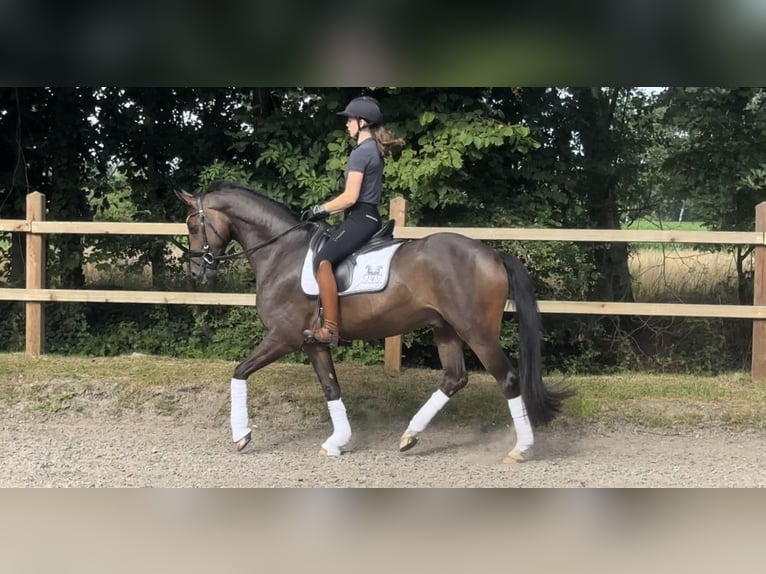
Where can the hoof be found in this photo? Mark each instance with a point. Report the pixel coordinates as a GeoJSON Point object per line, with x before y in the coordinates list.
{"type": "Point", "coordinates": [244, 441]}
{"type": "Point", "coordinates": [408, 440]}
{"type": "Point", "coordinates": [324, 452]}
{"type": "Point", "coordinates": [517, 456]}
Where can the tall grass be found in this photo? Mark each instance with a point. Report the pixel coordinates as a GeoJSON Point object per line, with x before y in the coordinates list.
{"type": "Point", "coordinates": [682, 274]}
{"type": "Point", "coordinates": [679, 273]}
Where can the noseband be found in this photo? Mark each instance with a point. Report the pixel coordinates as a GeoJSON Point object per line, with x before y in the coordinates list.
{"type": "Point", "coordinates": [210, 259]}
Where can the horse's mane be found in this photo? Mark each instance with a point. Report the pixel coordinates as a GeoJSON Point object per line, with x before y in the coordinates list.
{"type": "Point", "coordinates": [278, 208]}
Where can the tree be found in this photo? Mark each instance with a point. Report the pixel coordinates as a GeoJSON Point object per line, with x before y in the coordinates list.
{"type": "Point", "coordinates": [18, 130]}
{"type": "Point", "coordinates": [547, 157]}
{"type": "Point", "coordinates": [588, 171]}
{"type": "Point", "coordinates": [299, 147]}
{"type": "Point", "coordinates": [159, 139]}
{"type": "Point", "coordinates": [718, 158]}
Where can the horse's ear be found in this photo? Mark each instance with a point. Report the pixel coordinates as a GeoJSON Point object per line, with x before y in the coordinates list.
{"type": "Point", "coordinates": [186, 197]}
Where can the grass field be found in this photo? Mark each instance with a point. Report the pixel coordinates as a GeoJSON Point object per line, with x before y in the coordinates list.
{"type": "Point", "coordinates": [645, 224]}
{"type": "Point", "coordinates": [55, 384]}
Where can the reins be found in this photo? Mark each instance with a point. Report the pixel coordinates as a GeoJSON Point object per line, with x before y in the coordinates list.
{"type": "Point", "coordinates": [210, 258]}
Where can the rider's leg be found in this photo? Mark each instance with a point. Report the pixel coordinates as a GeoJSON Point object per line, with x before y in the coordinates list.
{"type": "Point", "coordinates": [327, 334]}
{"type": "Point", "coordinates": [357, 228]}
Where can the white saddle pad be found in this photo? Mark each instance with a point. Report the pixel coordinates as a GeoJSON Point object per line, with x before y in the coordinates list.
{"type": "Point", "coordinates": [370, 273]}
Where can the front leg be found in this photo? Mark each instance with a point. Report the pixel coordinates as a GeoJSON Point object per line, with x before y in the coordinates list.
{"type": "Point", "coordinates": [270, 349]}
{"type": "Point", "coordinates": [321, 360]}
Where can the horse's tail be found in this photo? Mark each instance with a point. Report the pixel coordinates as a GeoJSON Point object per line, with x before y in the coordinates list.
{"type": "Point", "coordinates": [542, 403]}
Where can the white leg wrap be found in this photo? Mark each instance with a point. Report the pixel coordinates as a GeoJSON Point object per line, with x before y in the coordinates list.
{"type": "Point", "coordinates": [428, 411]}
{"type": "Point", "coordinates": [239, 417]}
{"type": "Point", "coordinates": [524, 436]}
{"type": "Point", "coordinates": [341, 429]}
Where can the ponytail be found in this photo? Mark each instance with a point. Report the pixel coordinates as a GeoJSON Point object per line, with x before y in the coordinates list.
{"type": "Point", "coordinates": [388, 144]}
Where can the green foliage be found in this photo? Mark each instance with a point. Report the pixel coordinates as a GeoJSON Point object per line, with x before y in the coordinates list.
{"type": "Point", "coordinates": [718, 152]}
{"type": "Point", "coordinates": [299, 148]}
{"type": "Point", "coordinates": [12, 326]}
{"type": "Point", "coordinates": [110, 198]}
{"type": "Point", "coordinates": [495, 157]}
{"type": "Point", "coordinates": [717, 156]}
{"type": "Point", "coordinates": [436, 171]}
{"type": "Point", "coordinates": [360, 352]}
{"type": "Point", "coordinates": [224, 333]}
{"type": "Point", "coordinates": [693, 345]}
{"type": "Point", "coordinates": [117, 330]}
{"type": "Point", "coordinates": [419, 349]}
{"type": "Point", "coordinates": [219, 171]}
{"type": "Point", "coordinates": [67, 328]}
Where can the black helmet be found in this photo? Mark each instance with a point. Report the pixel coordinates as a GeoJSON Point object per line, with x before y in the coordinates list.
{"type": "Point", "coordinates": [366, 108]}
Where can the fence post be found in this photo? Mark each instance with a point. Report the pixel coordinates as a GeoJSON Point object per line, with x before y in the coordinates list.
{"type": "Point", "coordinates": [35, 276]}
{"type": "Point", "coordinates": [392, 358]}
{"type": "Point", "coordinates": [758, 365]}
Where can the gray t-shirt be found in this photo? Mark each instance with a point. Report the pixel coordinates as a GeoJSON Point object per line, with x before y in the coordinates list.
{"type": "Point", "coordinates": [365, 158]}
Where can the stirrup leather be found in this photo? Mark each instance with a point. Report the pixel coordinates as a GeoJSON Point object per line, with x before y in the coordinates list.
{"type": "Point", "coordinates": [327, 334]}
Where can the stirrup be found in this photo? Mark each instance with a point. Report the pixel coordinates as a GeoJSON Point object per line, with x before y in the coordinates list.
{"type": "Point", "coordinates": [310, 336]}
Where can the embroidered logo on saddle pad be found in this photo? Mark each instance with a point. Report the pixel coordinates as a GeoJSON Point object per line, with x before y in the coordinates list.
{"type": "Point", "coordinates": [365, 272]}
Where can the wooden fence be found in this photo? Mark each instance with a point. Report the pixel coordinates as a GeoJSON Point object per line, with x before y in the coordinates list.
{"type": "Point", "coordinates": [36, 295]}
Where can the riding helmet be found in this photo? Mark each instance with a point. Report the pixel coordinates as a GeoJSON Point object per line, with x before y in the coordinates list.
{"type": "Point", "coordinates": [366, 108]}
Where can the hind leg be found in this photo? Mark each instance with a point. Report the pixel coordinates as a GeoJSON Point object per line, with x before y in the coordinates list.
{"type": "Point", "coordinates": [494, 359]}
{"type": "Point", "coordinates": [450, 347]}
{"type": "Point", "coordinates": [321, 360]}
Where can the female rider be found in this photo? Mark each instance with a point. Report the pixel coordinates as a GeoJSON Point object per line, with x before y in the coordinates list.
{"type": "Point", "coordinates": [359, 200]}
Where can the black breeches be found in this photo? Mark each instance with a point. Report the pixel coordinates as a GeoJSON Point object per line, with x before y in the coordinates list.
{"type": "Point", "coordinates": [360, 224]}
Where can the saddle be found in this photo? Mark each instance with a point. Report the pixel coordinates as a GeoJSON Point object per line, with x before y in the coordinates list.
{"type": "Point", "coordinates": [376, 254]}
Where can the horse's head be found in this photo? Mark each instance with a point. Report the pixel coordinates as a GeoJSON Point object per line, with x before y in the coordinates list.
{"type": "Point", "coordinates": [208, 237]}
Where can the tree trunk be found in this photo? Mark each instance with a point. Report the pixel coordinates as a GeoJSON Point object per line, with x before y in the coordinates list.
{"type": "Point", "coordinates": [598, 187]}
{"type": "Point", "coordinates": [155, 185]}
{"type": "Point", "coordinates": [744, 278]}
{"type": "Point", "coordinates": [14, 176]}
{"type": "Point", "coordinates": [67, 197]}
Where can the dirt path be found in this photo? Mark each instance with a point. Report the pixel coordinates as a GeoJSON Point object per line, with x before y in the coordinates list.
{"type": "Point", "coordinates": [98, 449]}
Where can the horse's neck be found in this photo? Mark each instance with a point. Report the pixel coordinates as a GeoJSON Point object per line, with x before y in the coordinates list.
{"type": "Point", "coordinates": [253, 223]}
{"type": "Point", "coordinates": [281, 258]}
{"type": "Point", "coordinates": [252, 233]}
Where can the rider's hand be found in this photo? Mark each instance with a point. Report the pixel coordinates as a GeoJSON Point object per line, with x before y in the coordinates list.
{"type": "Point", "coordinates": [315, 213]}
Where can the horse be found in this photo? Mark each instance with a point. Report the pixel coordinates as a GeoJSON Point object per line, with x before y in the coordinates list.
{"type": "Point", "coordinates": [453, 284]}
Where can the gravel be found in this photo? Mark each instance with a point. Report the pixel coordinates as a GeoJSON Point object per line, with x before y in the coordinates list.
{"type": "Point", "coordinates": [98, 448]}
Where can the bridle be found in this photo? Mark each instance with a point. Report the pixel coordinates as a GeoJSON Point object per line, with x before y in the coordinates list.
{"type": "Point", "coordinates": [210, 259]}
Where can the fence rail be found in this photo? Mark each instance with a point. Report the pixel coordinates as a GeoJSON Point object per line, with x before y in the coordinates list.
{"type": "Point", "coordinates": [401, 232]}
{"type": "Point", "coordinates": [248, 299]}
{"type": "Point", "coordinates": [35, 295]}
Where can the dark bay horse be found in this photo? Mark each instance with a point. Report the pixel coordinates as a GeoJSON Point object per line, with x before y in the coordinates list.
{"type": "Point", "coordinates": [455, 285]}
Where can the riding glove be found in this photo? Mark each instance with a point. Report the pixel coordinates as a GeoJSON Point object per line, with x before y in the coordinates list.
{"type": "Point", "coordinates": [315, 213]}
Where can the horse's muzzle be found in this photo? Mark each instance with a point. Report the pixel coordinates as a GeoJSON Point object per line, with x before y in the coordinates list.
{"type": "Point", "coordinates": [202, 275]}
